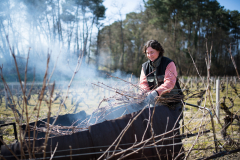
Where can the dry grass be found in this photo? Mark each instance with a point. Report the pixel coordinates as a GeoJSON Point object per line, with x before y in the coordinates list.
{"type": "Point", "coordinates": [205, 144]}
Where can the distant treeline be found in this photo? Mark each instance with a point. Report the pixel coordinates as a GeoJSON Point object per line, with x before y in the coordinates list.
{"type": "Point", "coordinates": [187, 29]}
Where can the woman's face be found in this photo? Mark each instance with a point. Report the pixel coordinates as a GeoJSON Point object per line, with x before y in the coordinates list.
{"type": "Point", "coordinates": [152, 54]}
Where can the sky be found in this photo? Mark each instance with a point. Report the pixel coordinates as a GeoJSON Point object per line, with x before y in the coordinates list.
{"type": "Point", "coordinates": [230, 4]}
{"type": "Point", "coordinates": [114, 7]}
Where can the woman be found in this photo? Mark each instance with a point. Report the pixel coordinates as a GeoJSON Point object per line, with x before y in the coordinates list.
{"type": "Point", "coordinates": [159, 79]}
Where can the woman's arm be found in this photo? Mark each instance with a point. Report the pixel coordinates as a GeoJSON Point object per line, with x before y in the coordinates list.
{"type": "Point", "coordinates": [169, 79]}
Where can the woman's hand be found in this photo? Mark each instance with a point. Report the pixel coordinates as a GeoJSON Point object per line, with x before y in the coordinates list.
{"type": "Point", "coordinates": [150, 99]}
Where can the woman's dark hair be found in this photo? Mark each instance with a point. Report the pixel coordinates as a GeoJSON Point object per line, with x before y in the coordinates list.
{"type": "Point", "coordinates": [155, 45]}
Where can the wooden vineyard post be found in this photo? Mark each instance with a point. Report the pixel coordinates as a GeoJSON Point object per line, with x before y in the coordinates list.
{"type": "Point", "coordinates": [6, 97]}
{"type": "Point", "coordinates": [217, 98]}
{"type": "Point", "coordinates": [227, 87]}
{"type": "Point", "coordinates": [191, 83]}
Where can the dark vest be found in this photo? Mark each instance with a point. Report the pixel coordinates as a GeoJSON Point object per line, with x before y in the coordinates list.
{"type": "Point", "coordinates": [155, 72]}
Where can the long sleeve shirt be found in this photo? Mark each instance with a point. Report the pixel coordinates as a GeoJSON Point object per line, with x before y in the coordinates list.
{"type": "Point", "coordinates": [169, 80]}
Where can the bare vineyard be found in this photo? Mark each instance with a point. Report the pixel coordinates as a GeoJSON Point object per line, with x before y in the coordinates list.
{"type": "Point", "coordinates": [204, 135]}
{"type": "Point", "coordinates": [223, 126]}
{"type": "Point", "coordinates": [209, 127]}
